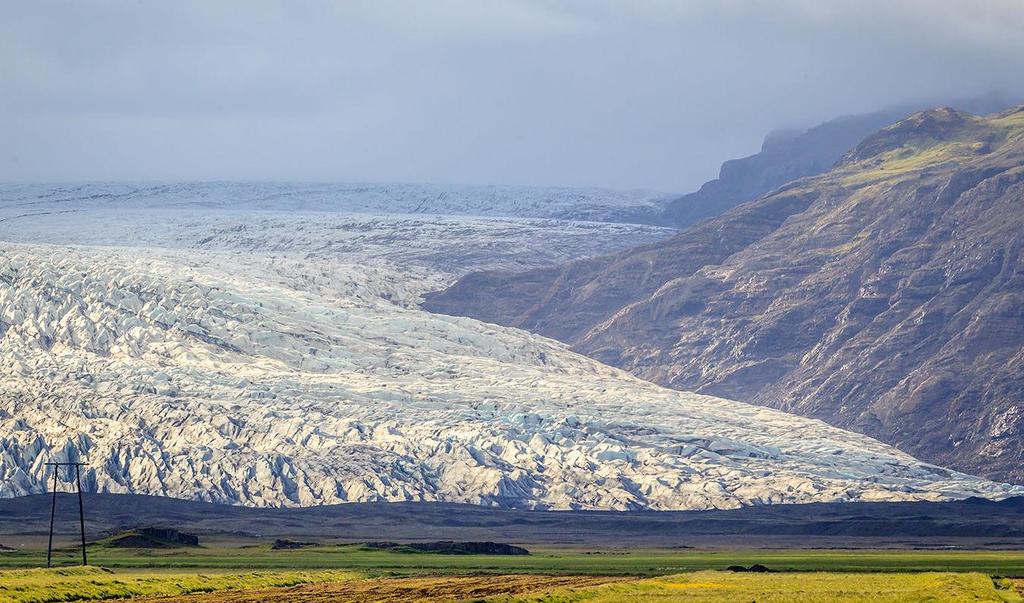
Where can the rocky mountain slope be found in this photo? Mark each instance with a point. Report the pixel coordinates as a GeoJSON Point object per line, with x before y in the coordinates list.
{"type": "Point", "coordinates": [884, 296]}
{"type": "Point", "coordinates": [783, 157]}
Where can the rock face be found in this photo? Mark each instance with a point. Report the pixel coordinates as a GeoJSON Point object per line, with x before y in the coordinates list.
{"type": "Point", "coordinates": [885, 296]}
{"type": "Point", "coordinates": [783, 158]}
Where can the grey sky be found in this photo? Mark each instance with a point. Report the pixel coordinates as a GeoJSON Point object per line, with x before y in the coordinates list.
{"type": "Point", "coordinates": [618, 94]}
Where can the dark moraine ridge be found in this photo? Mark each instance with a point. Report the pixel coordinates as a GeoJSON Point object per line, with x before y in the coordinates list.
{"type": "Point", "coordinates": [972, 523]}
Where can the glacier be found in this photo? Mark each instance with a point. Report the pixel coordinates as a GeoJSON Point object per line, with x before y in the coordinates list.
{"type": "Point", "coordinates": [277, 357]}
{"type": "Point", "coordinates": [582, 204]}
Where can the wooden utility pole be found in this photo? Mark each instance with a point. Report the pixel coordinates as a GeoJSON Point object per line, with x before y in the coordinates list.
{"type": "Point", "coordinates": [53, 507]}
{"type": "Point", "coordinates": [81, 509]}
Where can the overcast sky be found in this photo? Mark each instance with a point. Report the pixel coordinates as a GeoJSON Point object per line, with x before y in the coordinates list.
{"type": "Point", "coordinates": [619, 94]}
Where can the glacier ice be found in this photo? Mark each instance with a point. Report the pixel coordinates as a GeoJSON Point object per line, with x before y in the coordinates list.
{"type": "Point", "coordinates": [261, 344]}
{"type": "Point", "coordinates": [207, 375]}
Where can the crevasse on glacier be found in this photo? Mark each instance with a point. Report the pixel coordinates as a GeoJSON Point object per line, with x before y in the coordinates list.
{"type": "Point", "coordinates": [232, 377]}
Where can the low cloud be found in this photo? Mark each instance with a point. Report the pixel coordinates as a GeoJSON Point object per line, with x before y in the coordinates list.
{"type": "Point", "coordinates": [622, 94]}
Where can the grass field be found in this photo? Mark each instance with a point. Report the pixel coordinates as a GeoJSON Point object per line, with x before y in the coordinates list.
{"type": "Point", "coordinates": [805, 587]}
{"type": "Point", "coordinates": [246, 574]}
{"type": "Point", "coordinates": [95, 583]}
{"type": "Point", "coordinates": [606, 562]}
{"type": "Point", "coordinates": [92, 584]}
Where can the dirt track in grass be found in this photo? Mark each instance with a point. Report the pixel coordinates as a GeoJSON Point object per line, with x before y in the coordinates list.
{"type": "Point", "coordinates": [395, 590]}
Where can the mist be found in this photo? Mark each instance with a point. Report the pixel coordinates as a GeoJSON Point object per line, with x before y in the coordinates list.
{"type": "Point", "coordinates": [651, 95]}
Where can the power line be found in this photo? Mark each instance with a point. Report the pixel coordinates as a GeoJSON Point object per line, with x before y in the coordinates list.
{"type": "Point", "coordinates": [53, 507]}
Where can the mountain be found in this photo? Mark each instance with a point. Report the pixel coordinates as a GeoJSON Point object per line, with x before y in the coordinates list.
{"type": "Point", "coordinates": [789, 155]}
{"type": "Point", "coordinates": [277, 358]}
{"type": "Point", "coordinates": [884, 296]}
{"type": "Point", "coordinates": [783, 157]}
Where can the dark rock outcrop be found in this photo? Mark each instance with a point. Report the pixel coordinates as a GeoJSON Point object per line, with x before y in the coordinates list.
{"type": "Point", "coordinates": [885, 296]}
{"type": "Point", "coordinates": [756, 568]}
{"type": "Point", "coordinates": [283, 544]}
{"type": "Point", "coordinates": [448, 547]}
{"type": "Point", "coordinates": [972, 523]}
{"type": "Point", "coordinates": [152, 537]}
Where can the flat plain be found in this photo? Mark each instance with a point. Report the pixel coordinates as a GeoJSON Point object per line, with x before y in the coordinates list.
{"type": "Point", "coordinates": [968, 550]}
{"type": "Point", "coordinates": [101, 584]}
{"type": "Point", "coordinates": [354, 572]}
{"type": "Point", "coordinates": [598, 561]}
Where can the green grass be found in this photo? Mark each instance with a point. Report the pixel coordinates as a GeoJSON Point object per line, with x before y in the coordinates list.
{"type": "Point", "coordinates": [85, 584]}
{"type": "Point", "coordinates": [724, 587]}
{"type": "Point", "coordinates": [821, 575]}
{"type": "Point", "coordinates": [92, 583]}
{"type": "Point", "coordinates": [906, 161]}
{"type": "Point", "coordinates": [632, 562]}
{"type": "Point", "coordinates": [977, 137]}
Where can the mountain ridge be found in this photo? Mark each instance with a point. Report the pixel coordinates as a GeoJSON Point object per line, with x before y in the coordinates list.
{"type": "Point", "coordinates": [746, 304]}
{"type": "Point", "coordinates": [798, 153]}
